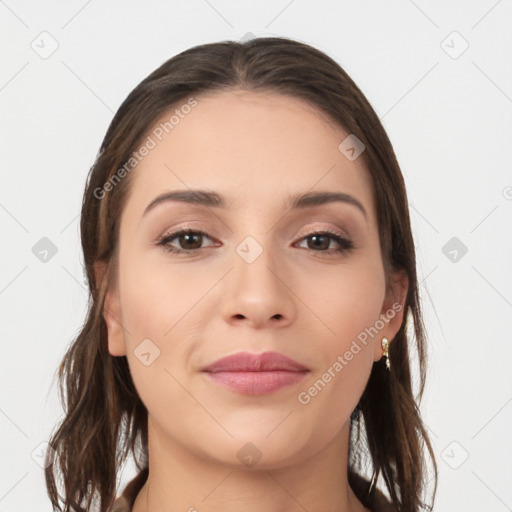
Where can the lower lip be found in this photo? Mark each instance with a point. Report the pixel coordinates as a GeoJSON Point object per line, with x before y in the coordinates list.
{"type": "Point", "coordinates": [256, 383]}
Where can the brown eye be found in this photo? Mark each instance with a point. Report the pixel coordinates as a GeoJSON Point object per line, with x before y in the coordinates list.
{"type": "Point", "coordinates": [188, 241]}
{"type": "Point", "coordinates": [320, 242]}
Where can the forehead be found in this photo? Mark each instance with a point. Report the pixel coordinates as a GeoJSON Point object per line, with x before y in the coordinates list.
{"type": "Point", "coordinates": [254, 148]}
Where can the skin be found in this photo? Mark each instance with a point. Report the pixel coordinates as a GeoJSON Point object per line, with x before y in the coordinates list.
{"type": "Point", "coordinates": [256, 149]}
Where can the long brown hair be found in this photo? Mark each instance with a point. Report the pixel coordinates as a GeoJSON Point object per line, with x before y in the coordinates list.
{"type": "Point", "coordinates": [105, 420]}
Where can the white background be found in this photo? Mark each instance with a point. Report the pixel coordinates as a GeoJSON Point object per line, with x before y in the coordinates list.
{"type": "Point", "coordinates": [450, 122]}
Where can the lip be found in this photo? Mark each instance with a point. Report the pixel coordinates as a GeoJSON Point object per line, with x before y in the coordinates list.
{"type": "Point", "coordinates": [255, 374]}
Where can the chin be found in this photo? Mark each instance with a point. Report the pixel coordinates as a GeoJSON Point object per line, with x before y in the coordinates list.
{"type": "Point", "coordinates": [256, 450]}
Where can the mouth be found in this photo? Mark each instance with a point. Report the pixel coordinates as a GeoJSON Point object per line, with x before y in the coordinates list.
{"type": "Point", "coordinates": [256, 374]}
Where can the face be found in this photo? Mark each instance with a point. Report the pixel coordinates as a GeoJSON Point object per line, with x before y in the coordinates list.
{"type": "Point", "coordinates": [259, 275]}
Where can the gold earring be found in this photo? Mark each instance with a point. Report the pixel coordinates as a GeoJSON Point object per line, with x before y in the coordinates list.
{"type": "Point", "coordinates": [385, 347]}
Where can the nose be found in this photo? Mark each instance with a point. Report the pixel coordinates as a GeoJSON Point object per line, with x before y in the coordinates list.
{"type": "Point", "coordinates": [258, 294]}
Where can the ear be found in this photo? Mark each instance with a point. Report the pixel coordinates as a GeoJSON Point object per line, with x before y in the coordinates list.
{"type": "Point", "coordinates": [111, 311]}
{"type": "Point", "coordinates": [393, 311]}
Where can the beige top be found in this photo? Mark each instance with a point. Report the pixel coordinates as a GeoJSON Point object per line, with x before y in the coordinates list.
{"type": "Point", "coordinates": [124, 503]}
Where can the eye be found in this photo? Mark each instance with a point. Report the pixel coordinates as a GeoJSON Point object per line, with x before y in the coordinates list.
{"type": "Point", "coordinates": [322, 240]}
{"type": "Point", "coordinates": [191, 241]}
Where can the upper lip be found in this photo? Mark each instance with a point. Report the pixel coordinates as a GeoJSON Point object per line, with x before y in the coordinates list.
{"type": "Point", "coordinates": [247, 362]}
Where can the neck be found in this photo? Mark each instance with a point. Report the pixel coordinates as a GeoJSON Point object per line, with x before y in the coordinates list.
{"type": "Point", "coordinates": [180, 479]}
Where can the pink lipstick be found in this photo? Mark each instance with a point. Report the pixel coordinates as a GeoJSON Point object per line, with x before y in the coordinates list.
{"type": "Point", "coordinates": [256, 374]}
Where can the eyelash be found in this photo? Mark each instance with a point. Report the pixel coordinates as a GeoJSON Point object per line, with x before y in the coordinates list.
{"type": "Point", "coordinates": [345, 245]}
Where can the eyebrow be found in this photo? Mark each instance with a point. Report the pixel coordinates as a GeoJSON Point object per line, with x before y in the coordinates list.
{"type": "Point", "coordinates": [214, 200]}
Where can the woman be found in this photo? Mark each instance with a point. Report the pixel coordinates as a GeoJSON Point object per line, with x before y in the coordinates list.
{"type": "Point", "coordinates": [251, 266]}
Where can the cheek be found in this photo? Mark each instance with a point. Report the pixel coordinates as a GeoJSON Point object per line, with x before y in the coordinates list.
{"type": "Point", "coordinates": [158, 300]}
{"type": "Point", "coordinates": [349, 308]}
{"type": "Point", "coordinates": [164, 310]}
{"type": "Point", "coordinates": [158, 347]}
{"type": "Point", "coordinates": [347, 300]}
